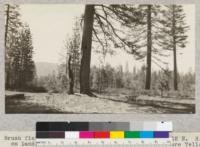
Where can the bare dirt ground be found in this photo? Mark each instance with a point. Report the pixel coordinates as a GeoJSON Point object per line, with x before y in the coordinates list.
{"type": "Point", "coordinates": [64, 103]}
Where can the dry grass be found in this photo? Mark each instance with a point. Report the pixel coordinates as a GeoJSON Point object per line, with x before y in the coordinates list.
{"type": "Point", "coordinates": [64, 103]}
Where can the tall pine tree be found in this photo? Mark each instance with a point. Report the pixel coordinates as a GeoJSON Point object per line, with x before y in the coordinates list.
{"type": "Point", "coordinates": [12, 25]}
{"type": "Point", "coordinates": [19, 66]}
{"type": "Point", "coordinates": [27, 66]}
{"type": "Point", "coordinates": [173, 33]}
{"type": "Point", "coordinates": [86, 46]}
{"type": "Point", "coordinates": [100, 20]}
{"type": "Point", "coordinates": [144, 37]}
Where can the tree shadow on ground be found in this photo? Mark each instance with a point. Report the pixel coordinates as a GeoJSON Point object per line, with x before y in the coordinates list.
{"type": "Point", "coordinates": [23, 107]}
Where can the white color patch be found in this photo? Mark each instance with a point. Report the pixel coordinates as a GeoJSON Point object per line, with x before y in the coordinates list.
{"type": "Point", "coordinates": [72, 135]}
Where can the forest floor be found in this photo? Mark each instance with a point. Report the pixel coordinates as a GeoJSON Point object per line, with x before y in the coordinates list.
{"type": "Point", "coordinates": [18, 102]}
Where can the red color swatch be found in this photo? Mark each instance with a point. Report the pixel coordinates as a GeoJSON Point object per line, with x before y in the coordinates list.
{"type": "Point", "coordinates": [101, 134]}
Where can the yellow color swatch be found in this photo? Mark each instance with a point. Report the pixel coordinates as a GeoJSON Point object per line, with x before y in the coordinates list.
{"type": "Point", "coordinates": [116, 134]}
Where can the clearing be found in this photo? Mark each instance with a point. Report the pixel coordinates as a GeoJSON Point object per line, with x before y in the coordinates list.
{"type": "Point", "coordinates": [26, 102]}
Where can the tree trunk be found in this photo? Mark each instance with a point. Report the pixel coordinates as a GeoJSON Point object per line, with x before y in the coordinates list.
{"type": "Point", "coordinates": [86, 49]}
{"type": "Point", "coordinates": [71, 77]}
{"type": "Point", "coordinates": [149, 46]}
{"type": "Point", "coordinates": [5, 44]}
{"type": "Point", "coordinates": [7, 23]}
{"type": "Point", "coordinates": [175, 69]}
{"type": "Point", "coordinates": [174, 51]}
{"type": "Point", "coordinates": [7, 79]}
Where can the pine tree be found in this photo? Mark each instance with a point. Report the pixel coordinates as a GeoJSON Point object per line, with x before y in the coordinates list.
{"type": "Point", "coordinates": [149, 47]}
{"type": "Point", "coordinates": [86, 49]}
{"type": "Point", "coordinates": [173, 33]}
{"type": "Point", "coordinates": [145, 35]}
{"type": "Point", "coordinates": [13, 22]}
{"type": "Point", "coordinates": [12, 25]}
{"type": "Point", "coordinates": [100, 20]}
{"type": "Point", "coordinates": [27, 66]}
{"type": "Point", "coordinates": [20, 68]}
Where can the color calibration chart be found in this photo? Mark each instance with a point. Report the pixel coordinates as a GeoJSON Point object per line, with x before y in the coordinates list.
{"type": "Point", "coordinates": [103, 134]}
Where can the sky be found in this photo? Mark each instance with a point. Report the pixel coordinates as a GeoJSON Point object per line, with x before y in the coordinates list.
{"type": "Point", "coordinates": [51, 24]}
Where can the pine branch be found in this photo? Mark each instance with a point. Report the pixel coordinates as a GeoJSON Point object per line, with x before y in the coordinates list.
{"type": "Point", "coordinates": [101, 43]}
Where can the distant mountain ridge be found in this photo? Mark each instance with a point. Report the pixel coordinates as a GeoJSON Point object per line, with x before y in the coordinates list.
{"type": "Point", "coordinates": [45, 68]}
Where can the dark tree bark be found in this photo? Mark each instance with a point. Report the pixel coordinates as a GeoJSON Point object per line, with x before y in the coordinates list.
{"type": "Point", "coordinates": [149, 48]}
{"type": "Point", "coordinates": [86, 50]}
{"type": "Point", "coordinates": [5, 44]}
{"type": "Point", "coordinates": [174, 51]}
{"type": "Point", "coordinates": [7, 79]}
{"type": "Point", "coordinates": [7, 23]}
{"type": "Point", "coordinates": [71, 77]}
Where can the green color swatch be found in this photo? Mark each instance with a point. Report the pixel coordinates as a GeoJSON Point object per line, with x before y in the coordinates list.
{"type": "Point", "coordinates": [131, 134]}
